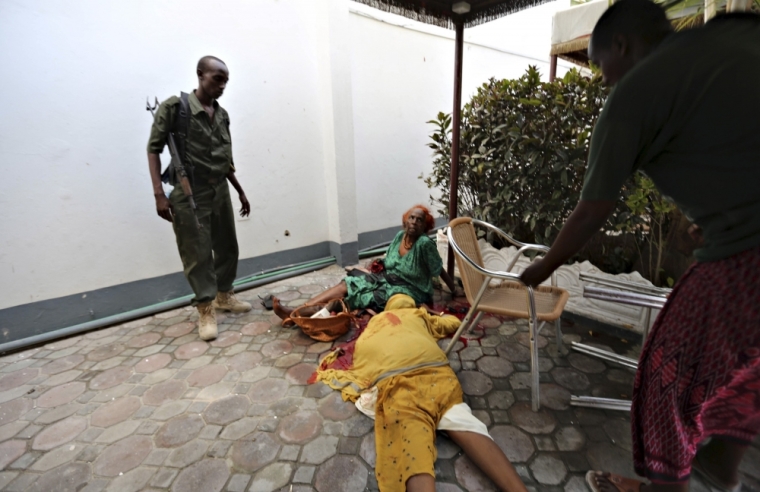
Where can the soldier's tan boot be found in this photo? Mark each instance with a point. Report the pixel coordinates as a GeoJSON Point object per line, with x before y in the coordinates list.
{"type": "Point", "coordinates": [207, 321]}
{"type": "Point", "coordinates": [227, 301]}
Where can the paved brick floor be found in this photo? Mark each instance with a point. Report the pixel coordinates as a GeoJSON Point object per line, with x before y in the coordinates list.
{"type": "Point", "coordinates": [148, 406]}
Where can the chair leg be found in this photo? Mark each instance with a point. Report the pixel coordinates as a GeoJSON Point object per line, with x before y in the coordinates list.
{"type": "Point", "coordinates": [465, 323]}
{"type": "Point", "coordinates": [534, 376]}
{"type": "Point", "coordinates": [558, 330]}
{"type": "Point", "coordinates": [533, 325]}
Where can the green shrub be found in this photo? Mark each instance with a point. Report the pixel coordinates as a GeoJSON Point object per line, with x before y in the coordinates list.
{"type": "Point", "coordinates": [524, 146]}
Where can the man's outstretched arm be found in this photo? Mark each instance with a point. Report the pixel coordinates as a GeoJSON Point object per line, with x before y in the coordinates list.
{"type": "Point", "coordinates": [587, 218]}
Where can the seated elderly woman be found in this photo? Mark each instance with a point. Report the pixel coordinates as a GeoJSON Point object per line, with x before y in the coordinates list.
{"type": "Point", "coordinates": [399, 374]}
{"type": "Point", "coordinates": [411, 264]}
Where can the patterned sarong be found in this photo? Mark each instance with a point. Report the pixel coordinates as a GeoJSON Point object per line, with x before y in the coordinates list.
{"type": "Point", "coordinates": [699, 372]}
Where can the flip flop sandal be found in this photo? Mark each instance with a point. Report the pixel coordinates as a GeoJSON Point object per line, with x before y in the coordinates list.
{"type": "Point", "coordinates": [621, 483]}
{"type": "Point", "coordinates": [711, 479]}
{"type": "Point", "coordinates": [267, 302]}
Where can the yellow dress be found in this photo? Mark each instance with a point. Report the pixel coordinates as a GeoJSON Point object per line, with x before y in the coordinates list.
{"type": "Point", "coordinates": [398, 353]}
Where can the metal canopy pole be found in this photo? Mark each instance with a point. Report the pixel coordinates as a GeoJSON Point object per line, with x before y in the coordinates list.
{"type": "Point", "coordinates": [456, 118]}
{"type": "Point", "coordinates": [552, 68]}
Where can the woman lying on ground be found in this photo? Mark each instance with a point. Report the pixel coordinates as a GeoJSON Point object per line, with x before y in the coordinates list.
{"type": "Point", "coordinates": [401, 378]}
{"type": "Point", "coordinates": [411, 264]}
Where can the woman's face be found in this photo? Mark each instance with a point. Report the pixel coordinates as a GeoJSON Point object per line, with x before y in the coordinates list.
{"type": "Point", "coordinates": [415, 223]}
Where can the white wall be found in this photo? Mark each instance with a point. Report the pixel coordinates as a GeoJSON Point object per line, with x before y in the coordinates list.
{"type": "Point", "coordinates": [76, 199]}
{"type": "Point", "coordinates": [403, 75]}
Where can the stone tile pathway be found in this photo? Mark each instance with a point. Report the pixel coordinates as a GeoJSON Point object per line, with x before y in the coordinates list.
{"type": "Point", "coordinates": [148, 406]}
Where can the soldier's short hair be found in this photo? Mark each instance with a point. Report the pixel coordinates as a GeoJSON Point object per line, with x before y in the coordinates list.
{"type": "Point", "coordinates": [203, 63]}
{"type": "Point", "coordinates": [641, 18]}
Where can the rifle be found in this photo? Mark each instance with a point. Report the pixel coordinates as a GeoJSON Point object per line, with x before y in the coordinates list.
{"type": "Point", "coordinates": [179, 168]}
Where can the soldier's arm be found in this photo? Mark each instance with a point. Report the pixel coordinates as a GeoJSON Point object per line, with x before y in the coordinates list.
{"type": "Point", "coordinates": [158, 134]}
{"type": "Point", "coordinates": [245, 208]}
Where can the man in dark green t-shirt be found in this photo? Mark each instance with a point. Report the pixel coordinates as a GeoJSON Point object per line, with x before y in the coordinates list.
{"type": "Point", "coordinates": [209, 254]}
{"type": "Point", "coordinates": [685, 110]}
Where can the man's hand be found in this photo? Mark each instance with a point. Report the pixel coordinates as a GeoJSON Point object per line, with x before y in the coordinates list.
{"type": "Point", "coordinates": [164, 207]}
{"type": "Point", "coordinates": [535, 273]}
{"type": "Point", "coordinates": [245, 210]}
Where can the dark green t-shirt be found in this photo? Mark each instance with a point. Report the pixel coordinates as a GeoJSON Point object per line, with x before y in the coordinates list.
{"type": "Point", "coordinates": [209, 147]}
{"type": "Point", "coordinates": [689, 117]}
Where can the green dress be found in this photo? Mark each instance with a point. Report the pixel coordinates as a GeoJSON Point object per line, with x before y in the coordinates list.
{"type": "Point", "coordinates": [411, 274]}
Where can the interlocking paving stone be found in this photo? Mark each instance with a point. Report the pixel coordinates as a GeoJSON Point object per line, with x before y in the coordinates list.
{"type": "Point", "coordinates": [190, 350]}
{"type": "Point", "coordinates": [123, 456]}
{"type": "Point", "coordinates": [61, 395]}
{"type": "Point", "coordinates": [187, 454]}
{"type": "Point", "coordinates": [541, 422]}
{"type": "Point", "coordinates": [319, 450]}
{"type": "Point", "coordinates": [514, 352]}
{"type": "Point", "coordinates": [548, 470]}
{"type": "Point", "coordinates": [367, 449]}
{"type": "Point", "coordinates": [12, 410]}
{"type": "Point", "coordinates": [59, 433]}
{"type": "Point", "coordinates": [226, 410]}
{"type": "Point", "coordinates": [166, 391]}
{"type": "Point", "coordinates": [244, 361]}
{"type": "Point", "coordinates": [471, 353]}
{"type": "Point", "coordinates": [170, 409]}
{"type": "Point", "coordinates": [105, 352]}
{"type": "Point", "coordinates": [58, 456]}
{"type": "Point", "coordinates": [10, 451]}
{"type": "Point", "coordinates": [254, 451]}
{"type": "Point", "coordinates": [268, 390]}
{"type": "Point", "coordinates": [304, 474]}
{"type": "Point", "coordinates": [524, 339]}
{"type": "Point", "coordinates": [227, 339]}
{"type": "Point", "coordinates": [357, 426]}
{"type": "Point", "coordinates": [239, 429]}
{"type": "Point", "coordinates": [179, 329]}
{"type": "Point", "coordinates": [554, 396]}
{"type": "Point", "coordinates": [300, 373]}
{"type": "Point", "coordinates": [610, 458]}
{"type": "Point", "coordinates": [470, 476]}
{"type": "Point", "coordinates": [586, 364]}
{"type": "Point", "coordinates": [144, 340]}
{"type": "Point", "coordinates": [207, 375]}
{"type": "Point", "coordinates": [341, 474]}
{"type": "Point", "coordinates": [110, 378]}
{"type": "Point", "coordinates": [276, 348]}
{"type": "Point", "coordinates": [300, 427]}
{"type": "Point", "coordinates": [114, 412]}
{"type": "Point", "coordinates": [256, 328]}
{"type": "Point", "coordinates": [334, 408]}
{"type": "Point", "coordinates": [501, 400]}
{"type": "Point", "coordinates": [17, 378]}
{"type": "Point", "coordinates": [178, 431]}
{"type": "Point", "coordinates": [153, 363]}
{"type": "Point", "coordinates": [515, 443]}
{"type": "Point", "coordinates": [238, 482]}
{"type": "Point", "coordinates": [496, 367]}
{"type": "Point", "coordinates": [620, 433]}
{"type": "Point", "coordinates": [118, 431]}
{"type": "Point", "coordinates": [569, 439]}
{"type": "Point", "coordinates": [132, 481]}
{"type": "Point", "coordinates": [474, 383]}
{"type": "Point", "coordinates": [205, 476]}
{"type": "Point", "coordinates": [67, 478]}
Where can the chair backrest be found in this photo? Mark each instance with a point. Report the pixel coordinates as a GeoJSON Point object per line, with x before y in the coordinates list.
{"type": "Point", "coordinates": [463, 235]}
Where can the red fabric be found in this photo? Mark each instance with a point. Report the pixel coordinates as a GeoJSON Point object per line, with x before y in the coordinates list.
{"type": "Point", "coordinates": [699, 371]}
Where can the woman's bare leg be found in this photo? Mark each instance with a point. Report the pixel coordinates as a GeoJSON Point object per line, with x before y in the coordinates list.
{"type": "Point", "coordinates": [421, 482]}
{"type": "Point", "coordinates": [490, 459]}
{"type": "Point", "coordinates": [335, 292]}
{"type": "Point", "coordinates": [721, 459]}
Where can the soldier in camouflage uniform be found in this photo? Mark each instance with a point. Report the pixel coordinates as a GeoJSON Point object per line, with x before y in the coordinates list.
{"type": "Point", "coordinates": [209, 254]}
